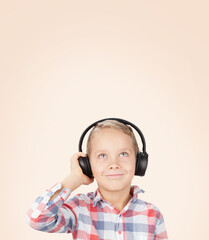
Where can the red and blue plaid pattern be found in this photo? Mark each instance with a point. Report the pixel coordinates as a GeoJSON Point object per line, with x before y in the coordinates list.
{"type": "Point", "coordinates": [89, 216]}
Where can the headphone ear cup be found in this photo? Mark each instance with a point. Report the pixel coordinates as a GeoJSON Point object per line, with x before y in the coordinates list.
{"type": "Point", "coordinates": [85, 166]}
{"type": "Point", "coordinates": [141, 163]}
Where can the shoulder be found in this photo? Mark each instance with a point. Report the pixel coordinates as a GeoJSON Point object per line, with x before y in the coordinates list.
{"type": "Point", "coordinates": [149, 208]}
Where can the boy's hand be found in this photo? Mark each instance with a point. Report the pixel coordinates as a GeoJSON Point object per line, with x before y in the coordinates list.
{"type": "Point", "coordinates": [76, 170]}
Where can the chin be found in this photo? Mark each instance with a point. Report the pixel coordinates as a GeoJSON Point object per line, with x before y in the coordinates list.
{"type": "Point", "coordinates": [113, 185]}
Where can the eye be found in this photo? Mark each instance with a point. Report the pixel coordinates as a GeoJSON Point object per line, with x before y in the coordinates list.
{"type": "Point", "coordinates": [101, 155]}
{"type": "Point", "coordinates": [125, 153]}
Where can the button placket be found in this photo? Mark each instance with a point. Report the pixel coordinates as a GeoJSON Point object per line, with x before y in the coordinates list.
{"type": "Point", "coordinates": [119, 235]}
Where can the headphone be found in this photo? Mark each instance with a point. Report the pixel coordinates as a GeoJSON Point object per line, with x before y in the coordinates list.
{"type": "Point", "coordinates": [141, 158]}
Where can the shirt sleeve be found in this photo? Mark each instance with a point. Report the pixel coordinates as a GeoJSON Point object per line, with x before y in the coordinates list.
{"type": "Point", "coordinates": [52, 216]}
{"type": "Point", "coordinates": [160, 230]}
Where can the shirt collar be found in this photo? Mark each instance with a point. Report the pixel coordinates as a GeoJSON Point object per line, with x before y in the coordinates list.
{"type": "Point", "coordinates": [134, 191]}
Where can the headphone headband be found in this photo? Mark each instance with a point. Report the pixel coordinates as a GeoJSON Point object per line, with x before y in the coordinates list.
{"type": "Point", "coordinates": [117, 119]}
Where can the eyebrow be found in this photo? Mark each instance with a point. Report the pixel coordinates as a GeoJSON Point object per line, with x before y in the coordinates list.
{"type": "Point", "coordinates": [122, 149]}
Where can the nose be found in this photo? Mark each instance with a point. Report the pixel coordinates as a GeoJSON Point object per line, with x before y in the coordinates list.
{"type": "Point", "coordinates": [113, 164]}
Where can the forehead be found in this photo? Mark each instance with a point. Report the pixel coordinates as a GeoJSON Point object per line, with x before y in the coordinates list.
{"type": "Point", "coordinates": [107, 137]}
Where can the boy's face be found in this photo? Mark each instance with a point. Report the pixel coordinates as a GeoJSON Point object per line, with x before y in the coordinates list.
{"type": "Point", "coordinates": [112, 159]}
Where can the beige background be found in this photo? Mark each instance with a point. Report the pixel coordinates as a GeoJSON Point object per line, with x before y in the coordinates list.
{"type": "Point", "coordinates": [67, 64]}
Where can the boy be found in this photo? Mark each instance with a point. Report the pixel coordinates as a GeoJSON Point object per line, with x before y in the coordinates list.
{"type": "Point", "coordinates": [114, 210]}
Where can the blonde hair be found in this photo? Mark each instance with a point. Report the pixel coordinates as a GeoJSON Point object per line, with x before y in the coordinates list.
{"type": "Point", "coordinates": [113, 124]}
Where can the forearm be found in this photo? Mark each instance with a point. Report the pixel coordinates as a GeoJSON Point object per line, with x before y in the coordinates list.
{"type": "Point", "coordinates": [52, 216]}
{"type": "Point", "coordinates": [51, 212]}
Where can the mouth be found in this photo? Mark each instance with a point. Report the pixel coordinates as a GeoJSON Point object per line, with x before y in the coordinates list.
{"type": "Point", "coordinates": [115, 176]}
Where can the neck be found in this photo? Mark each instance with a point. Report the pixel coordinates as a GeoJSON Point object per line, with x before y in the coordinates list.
{"type": "Point", "coordinates": [118, 199]}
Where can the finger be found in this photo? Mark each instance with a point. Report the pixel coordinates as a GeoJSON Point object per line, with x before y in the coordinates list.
{"type": "Point", "coordinates": [81, 153]}
{"type": "Point", "coordinates": [78, 154]}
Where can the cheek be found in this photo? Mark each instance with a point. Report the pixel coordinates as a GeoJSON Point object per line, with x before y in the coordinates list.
{"type": "Point", "coordinates": [130, 166]}
{"type": "Point", "coordinates": [96, 166]}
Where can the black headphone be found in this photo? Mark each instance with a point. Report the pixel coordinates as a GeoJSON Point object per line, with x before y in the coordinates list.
{"type": "Point", "coordinates": [141, 158]}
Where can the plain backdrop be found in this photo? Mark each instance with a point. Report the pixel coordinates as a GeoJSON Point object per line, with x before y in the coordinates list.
{"type": "Point", "coordinates": [66, 64]}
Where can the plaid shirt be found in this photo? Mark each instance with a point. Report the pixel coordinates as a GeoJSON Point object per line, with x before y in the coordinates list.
{"type": "Point", "coordinates": [89, 216]}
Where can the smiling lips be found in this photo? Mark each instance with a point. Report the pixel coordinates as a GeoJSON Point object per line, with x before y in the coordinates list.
{"type": "Point", "coordinates": [115, 175]}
